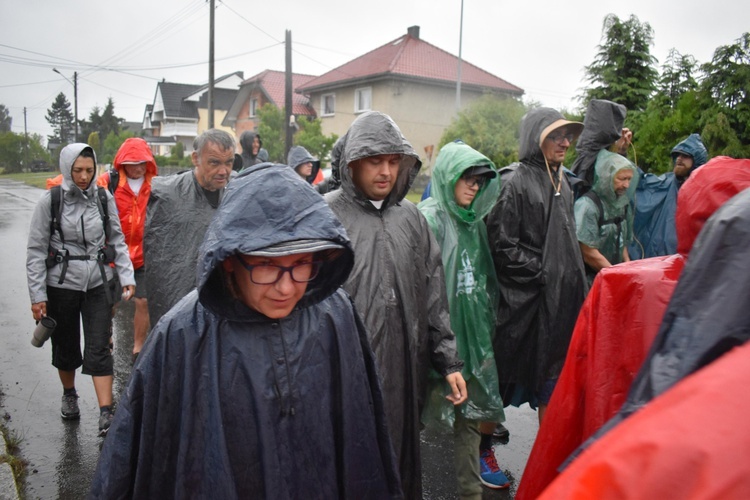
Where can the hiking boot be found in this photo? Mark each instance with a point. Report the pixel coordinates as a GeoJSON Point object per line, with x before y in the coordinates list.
{"type": "Point", "coordinates": [501, 434]}
{"type": "Point", "coordinates": [490, 473]}
{"type": "Point", "coordinates": [69, 409]}
{"type": "Point", "coordinates": [105, 421]}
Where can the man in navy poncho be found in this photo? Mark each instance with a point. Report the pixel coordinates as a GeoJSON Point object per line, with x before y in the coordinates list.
{"type": "Point", "coordinates": [260, 383]}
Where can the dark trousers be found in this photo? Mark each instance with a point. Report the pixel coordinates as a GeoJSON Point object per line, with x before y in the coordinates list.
{"type": "Point", "coordinates": [68, 307]}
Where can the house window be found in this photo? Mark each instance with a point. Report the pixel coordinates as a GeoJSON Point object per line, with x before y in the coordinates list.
{"type": "Point", "coordinates": [253, 107]}
{"type": "Point", "coordinates": [363, 99]}
{"type": "Point", "coordinates": [327, 104]}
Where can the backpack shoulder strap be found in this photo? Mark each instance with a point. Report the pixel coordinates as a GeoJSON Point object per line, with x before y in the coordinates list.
{"type": "Point", "coordinates": [56, 211]}
{"type": "Point", "coordinates": [114, 180]}
{"type": "Point", "coordinates": [598, 202]}
{"type": "Point", "coordinates": [103, 209]}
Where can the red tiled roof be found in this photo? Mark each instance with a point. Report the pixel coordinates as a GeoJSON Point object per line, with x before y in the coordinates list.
{"type": "Point", "coordinates": [273, 82]}
{"type": "Point", "coordinates": [412, 57]}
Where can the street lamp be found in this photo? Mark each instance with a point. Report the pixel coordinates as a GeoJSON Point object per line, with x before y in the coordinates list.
{"type": "Point", "coordinates": [75, 96]}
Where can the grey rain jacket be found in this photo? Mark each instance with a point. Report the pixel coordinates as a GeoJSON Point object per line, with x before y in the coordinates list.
{"type": "Point", "coordinates": [299, 155]}
{"type": "Point", "coordinates": [248, 159]}
{"type": "Point", "coordinates": [538, 262]}
{"type": "Point", "coordinates": [82, 228]}
{"type": "Point", "coordinates": [226, 403]}
{"type": "Point", "coordinates": [602, 126]}
{"type": "Point", "coordinates": [177, 216]}
{"type": "Point", "coordinates": [398, 285]}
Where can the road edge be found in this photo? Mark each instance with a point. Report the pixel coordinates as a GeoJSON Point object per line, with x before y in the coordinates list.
{"type": "Point", "coordinates": [8, 485]}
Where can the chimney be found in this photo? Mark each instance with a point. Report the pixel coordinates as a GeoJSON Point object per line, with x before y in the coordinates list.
{"type": "Point", "coordinates": [413, 31]}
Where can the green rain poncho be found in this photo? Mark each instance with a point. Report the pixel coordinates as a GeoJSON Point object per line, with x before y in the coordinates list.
{"type": "Point", "coordinates": [604, 238]}
{"type": "Point", "coordinates": [470, 282]}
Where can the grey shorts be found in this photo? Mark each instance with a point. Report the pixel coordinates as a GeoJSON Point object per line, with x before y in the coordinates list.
{"type": "Point", "coordinates": [140, 282]}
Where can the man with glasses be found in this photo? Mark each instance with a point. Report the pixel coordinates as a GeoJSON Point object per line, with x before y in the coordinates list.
{"type": "Point", "coordinates": [398, 283]}
{"type": "Point", "coordinates": [260, 383]}
{"type": "Point", "coordinates": [538, 261]}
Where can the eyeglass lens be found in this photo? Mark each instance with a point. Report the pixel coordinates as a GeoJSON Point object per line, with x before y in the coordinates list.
{"type": "Point", "coordinates": [268, 274]}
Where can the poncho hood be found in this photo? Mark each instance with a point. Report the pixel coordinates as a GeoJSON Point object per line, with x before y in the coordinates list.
{"type": "Point", "coordinates": [68, 157]}
{"type": "Point", "coordinates": [374, 133]}
{"type": "Point", "coordinates": [606, 167]}
{"type": "Point", "coordinates": [299, 155]}
{"type": "Point", "coordinates": [533, 132]}
{"type": "Point", "coordinates": [453, 160]}
{"type": "Point", "coordinates": [693, 147]}
{"type": "Point", "coordinates": [704, 192]}
{"type": "Point", "coordinates": [265, 205]}
{"type": "Point", "coordinates": [135, 150]}
{"type": "Point", "coordinates": [602, 127]}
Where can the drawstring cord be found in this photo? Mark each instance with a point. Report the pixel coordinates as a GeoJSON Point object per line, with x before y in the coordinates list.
{"type": "Point", "coordinates": [557, 187]}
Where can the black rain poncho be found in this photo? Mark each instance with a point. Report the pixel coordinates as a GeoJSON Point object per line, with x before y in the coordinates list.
{"type": "Point", "coordinates": [470, 282]}
{"type": "Point", "coordinates": [177, 216]}
{"type": "Point", "coordinates": [398, 285]}
{"type": "Point", "coordinates": [539, 266]}
{"type": "Point", "coordinates": [602, 127]}
{"type": "Point", "coordinates": [226, 403]}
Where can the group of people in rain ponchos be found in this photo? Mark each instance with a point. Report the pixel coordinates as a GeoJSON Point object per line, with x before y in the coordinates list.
{"type": "Point", "coordinates": [233, 407]}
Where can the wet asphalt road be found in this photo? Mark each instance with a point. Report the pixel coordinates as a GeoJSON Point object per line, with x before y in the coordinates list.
{"type": "Point", "coordinates": [62, 455]}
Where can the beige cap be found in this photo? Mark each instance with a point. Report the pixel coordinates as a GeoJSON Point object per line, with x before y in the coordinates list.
{"type": "Point", "coordinates": [575, 128]}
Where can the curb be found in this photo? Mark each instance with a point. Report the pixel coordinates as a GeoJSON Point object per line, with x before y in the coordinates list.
{"type": "Point", "coordinates": [8, 486]}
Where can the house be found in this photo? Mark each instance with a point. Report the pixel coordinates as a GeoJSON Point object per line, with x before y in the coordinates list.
{"type": "Point", "coordinates": [409, 79]}
{"type": "Point", "coordinates": [179, 112]}
{"type": "Point", "coordinates": [265, 87]}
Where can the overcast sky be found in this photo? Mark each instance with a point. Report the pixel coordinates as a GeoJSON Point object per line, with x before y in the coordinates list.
{"type": "Point", "coordinates": [122, 49]}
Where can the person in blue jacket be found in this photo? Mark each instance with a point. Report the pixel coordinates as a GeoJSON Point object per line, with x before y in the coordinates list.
{"type": "Point", "coordinates": [656, 201]}
{"type": "Point", "coordinates": [260, 383]}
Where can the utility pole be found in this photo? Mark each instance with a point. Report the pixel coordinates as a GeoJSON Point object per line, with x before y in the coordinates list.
{"type": "Point", "coordinates": [211, 67]}
{"type": "Point", "coordinates": [75, 97]}
{"type": "Point", "coordinates": [288, 93]}
{"type": "Point", "coordinates": [460, 41]}
{"type": "Point", "coordinates": [25, 141]}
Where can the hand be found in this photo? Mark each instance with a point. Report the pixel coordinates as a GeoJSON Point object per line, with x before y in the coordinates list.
{"type": "Point", "coordinates": [458, 388]}
{"type": "Point", "coordinates": [128, 292]}
{"type": "Point", "coordinates": [39, 310]}
{"type": "Point", "coordinates": [622, 144]}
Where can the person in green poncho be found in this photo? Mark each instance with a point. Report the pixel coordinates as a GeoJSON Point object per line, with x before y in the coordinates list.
{"type": "Point", "coordinates": [604, 217]}
{"type": "Point", "coordinates": [465, 187]}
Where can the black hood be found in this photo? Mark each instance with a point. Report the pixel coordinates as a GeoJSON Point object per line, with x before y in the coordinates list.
{"type": "Point", "coordinates": [602, 127]}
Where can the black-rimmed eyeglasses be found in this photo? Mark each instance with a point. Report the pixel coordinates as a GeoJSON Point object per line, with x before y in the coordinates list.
{"type": "Point", "coordinates": [268, 274]}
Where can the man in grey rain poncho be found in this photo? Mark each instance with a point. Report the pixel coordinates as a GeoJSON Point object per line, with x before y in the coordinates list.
{"type": "Point", "coordinates": [604, 217]}
{"type": "Point", "coordinates": [179, 210]}
{"type": "Point", "coordinates": [538, 261]}
{"type": "Point", "coordinates": [260, 383]}
{"type": "Point", "coordinates": [398, 283]}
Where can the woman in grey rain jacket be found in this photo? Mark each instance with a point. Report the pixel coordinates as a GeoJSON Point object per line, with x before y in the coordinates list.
{"type": "Point", "coordinates": [77, 282]}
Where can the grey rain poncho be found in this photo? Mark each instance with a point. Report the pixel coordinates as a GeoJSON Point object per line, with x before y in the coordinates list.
{"type": "Point", "coordinates": [398, 285]}
{"type": "Point", "coordinates": [299, 155]}
{"type": "Point", "coordinates": [226, 403]}
{"type": "Point", "coordinates": [176, 219]}
{"type": "Point", "coordinates": [538, 262]}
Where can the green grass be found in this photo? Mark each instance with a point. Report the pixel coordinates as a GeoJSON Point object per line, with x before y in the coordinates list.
{"type": "Point", "coordinates": [12, 458]}
{"type": "Point", "coordinates": [36, 179]}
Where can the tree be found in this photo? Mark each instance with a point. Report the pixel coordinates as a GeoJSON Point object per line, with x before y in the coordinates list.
{"type": "Point", "coordinates": [623, 69]}
{"type": "Point", "coordinates": [676, 77]}
{"type": "Point", "coordinates": [6, 121]}
{"type": "Point", "coordinates": [16, 151]}
{"type": "Point", "coordinates": [61, 119]}
{"type": "Point", "coordinates": [110, 122]}
{"type": "Point", "coordinates": [95, 143]}
{"type": "Point", "coordinates": [310, 136]}
{"type": "Point", "coordinates": [271, 131]}
{"type": "Point", "coordinates": [111, 144]}
{"type": "Point", "coordinates": [725, 90]}
{"type": "Point", "coordinates": [489, 125]}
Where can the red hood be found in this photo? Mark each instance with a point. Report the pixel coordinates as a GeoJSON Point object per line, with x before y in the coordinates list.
{"type": "Point", "coordinates": [136, 149]}
{"type": "Point", "coordinates": [707, 188]}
